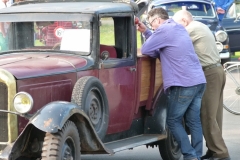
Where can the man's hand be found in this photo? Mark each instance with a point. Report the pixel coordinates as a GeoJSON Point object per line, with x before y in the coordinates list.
{"type": "Point", "coordinates": [220, 10]}
{"type": "Point", "coordinates": [141, 27]}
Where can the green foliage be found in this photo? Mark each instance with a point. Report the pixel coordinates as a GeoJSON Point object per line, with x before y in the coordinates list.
{"type": "Point", "coordinates": [107, 36]}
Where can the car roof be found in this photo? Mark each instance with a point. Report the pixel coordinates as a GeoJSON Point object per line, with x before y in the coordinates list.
{"type": "Point", "coordinates": [168, 1]}
{"type": "Point", "coordinates": [91, 7]}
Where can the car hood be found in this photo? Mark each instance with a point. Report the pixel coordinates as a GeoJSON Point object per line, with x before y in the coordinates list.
{"type": "Point", "coordinates": [211, 23]}
{"type": "Point", "coordinates": [23, 65]}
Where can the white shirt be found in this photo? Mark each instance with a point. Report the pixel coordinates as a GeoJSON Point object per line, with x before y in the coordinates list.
{"type": "Point", "coordinates": [2, 5]}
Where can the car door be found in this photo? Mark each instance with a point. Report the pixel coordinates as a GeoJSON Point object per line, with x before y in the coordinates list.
{"type": "Point", "coordinates": [118, 72]}
{"type": "Point", "coordinates": [231, 22]}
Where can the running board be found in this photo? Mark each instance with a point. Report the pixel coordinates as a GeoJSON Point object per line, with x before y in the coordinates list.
{"type": "Point", "coordinates": [132, 142]}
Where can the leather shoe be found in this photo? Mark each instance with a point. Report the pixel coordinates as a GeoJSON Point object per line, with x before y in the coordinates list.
{"type": "Point", "coordinates": [206, 157]}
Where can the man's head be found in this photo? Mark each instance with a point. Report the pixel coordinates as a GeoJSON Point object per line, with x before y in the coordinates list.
{"type": "Point", "coordinates": [156, 17]}
{"type": "Point", "coordinates": [183, 17]}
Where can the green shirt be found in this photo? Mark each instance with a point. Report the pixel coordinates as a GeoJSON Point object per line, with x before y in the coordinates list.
{"type": "Point", "coordinates": [204, 43]}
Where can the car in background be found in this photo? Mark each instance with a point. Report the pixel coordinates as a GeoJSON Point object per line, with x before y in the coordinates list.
{"type": "Point", "coordinates": [231, 22]}
{"type": "Point", "coordinates": [203, 11]}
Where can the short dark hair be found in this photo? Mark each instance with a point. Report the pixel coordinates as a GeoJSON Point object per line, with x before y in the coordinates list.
{"type": "Point", "coordinates": [160, 12]}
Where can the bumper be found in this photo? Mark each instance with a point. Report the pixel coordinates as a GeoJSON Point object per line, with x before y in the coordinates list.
{"type": "Point", "coordinates": [225, 55]}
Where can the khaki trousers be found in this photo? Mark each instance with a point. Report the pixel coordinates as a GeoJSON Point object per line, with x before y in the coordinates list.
{"type": "Point", "coordinates": [212, 112]}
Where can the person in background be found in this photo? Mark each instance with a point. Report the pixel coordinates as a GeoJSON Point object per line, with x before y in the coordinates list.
{"type": "Point", "coordinates": [183, 78]}
{"type": "Point", "coordinates": [212, 101]}
{"type": "Point", "coordinates": [3, 27]}
{"type": "Point", "coordinates": [221, 7]}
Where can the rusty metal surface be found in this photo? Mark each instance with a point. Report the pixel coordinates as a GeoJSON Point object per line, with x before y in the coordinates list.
{"type": "Point", "coordinates": [70, 7]}
{"type": "Point", "coordinates": [41, 64]}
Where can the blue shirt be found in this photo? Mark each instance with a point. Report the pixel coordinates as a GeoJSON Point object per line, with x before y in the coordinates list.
{"type": "Point", "coordinates": [224, 4]}
{"type": "Point", "coordinates": [180, 65]}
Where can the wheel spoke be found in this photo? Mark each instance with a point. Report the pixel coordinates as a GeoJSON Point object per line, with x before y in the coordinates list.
{"type": "Point", "coordinates": [231, 95]}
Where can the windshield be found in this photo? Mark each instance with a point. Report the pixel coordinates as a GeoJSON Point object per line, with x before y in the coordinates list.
{"type": "Point", "coordinates": [197, 9]}
{"type": "Point", "coordinates": [46, 35]}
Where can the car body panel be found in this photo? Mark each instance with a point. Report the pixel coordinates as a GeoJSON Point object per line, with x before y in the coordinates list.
{"type": "Point", "coordinates": [232, 25]}
{"type": "Point", "coordinates": [76, 7]}
{"type": "Point", "coordinates": [36, 64]}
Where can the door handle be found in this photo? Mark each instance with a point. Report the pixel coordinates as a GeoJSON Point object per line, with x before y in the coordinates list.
{"type": "Point", "coordinates": [132, 69]}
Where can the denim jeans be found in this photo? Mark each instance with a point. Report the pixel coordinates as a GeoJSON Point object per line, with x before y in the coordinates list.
{"type": "Point", "coordinates": [186, 102]}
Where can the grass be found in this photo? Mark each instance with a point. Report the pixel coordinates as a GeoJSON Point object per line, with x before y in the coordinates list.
{"type": "Point", "coordinates": [237, 55]}
{"type": "Point", "coordinates": [38, 43]}
{"type": "Point", "coordinates": [107, 36]}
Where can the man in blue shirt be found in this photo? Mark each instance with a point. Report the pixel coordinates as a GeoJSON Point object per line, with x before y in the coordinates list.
{"type": "Point", "coordinates": [183, 78]}
{"type": "Point", "coordinates": [221, 7]}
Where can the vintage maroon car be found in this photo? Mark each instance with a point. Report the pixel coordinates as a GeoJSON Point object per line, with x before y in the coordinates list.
{"type": "Point", "coordinates": [83, 89]}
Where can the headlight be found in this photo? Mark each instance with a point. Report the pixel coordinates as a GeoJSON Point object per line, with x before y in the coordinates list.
{"type": "Point", "coordinates": [219, 46]}
{"type": "Point", "coordinates": [221, 36]}
{"type": "Point", "coordinates": [23, 102]}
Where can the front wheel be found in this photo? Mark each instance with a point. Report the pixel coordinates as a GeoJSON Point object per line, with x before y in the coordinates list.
{"type": "Point", "coordinates": [63, 145]}
{"type": "Point", "coordinates": [231, 93]}
{"type": "Point", "coordinates": [169, 148]}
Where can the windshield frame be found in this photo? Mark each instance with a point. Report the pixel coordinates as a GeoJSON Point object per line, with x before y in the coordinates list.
{"type": "Point", "coordinates": [179, 2]}
{"type": "Point", "coordinates": [46, 17]}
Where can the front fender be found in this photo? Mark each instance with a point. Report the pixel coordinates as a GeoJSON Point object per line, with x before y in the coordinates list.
{"type": "Point", "coordinates": [53, 116]}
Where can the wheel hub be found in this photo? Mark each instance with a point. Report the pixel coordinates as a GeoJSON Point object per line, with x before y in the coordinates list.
{"type": "Point", "coordinates": [94, 113]}
{"type": "Point", "coordinates": [67, 153]}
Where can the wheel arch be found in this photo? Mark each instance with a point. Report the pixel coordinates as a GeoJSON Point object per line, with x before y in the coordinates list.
{"type": "Point", "coordinates": [51, 118]}
{"type": "Point", "coordinates": [156, 123]}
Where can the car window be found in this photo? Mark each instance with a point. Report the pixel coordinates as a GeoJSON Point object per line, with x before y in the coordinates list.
{"type": "Point", "coordinates": [197, 9]}
{"type": "Point", "coordinates": [233, 11]}
{"type": "Point", "coordinates": [72, 36]}
{"type": "Point", "coordinates": [114, 36]}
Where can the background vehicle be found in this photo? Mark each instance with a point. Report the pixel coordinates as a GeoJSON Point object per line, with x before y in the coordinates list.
{"type": "Point", "coordinates": [231, 23]}
{"type": "Point", "coordinates": [203, 11]}
{"type": "Point", "coordinates": [82, 90]}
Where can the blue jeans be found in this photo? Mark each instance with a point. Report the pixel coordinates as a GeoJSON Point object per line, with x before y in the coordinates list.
{"type": "Point", "coordinates": [186, 102]}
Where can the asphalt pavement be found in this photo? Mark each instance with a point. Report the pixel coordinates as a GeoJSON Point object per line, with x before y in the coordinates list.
{"type": "Point", "coordinates": [231, 135]}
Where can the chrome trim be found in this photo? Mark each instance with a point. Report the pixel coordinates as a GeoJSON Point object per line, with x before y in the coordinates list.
{"type": "Point", "coordinates": [7, 78]}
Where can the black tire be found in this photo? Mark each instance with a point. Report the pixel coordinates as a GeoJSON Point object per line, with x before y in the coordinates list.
{"type": "Point", "coordinates": [231, 92]}
{"type": "Point", "coordinates": [65, 144]}
{"type": "Point", "coordinates": [169, 148]}
{"type": "Point", "coordinates": [89, 94]}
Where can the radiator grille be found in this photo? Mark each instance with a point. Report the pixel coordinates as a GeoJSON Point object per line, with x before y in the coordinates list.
{"type": "Point", "coordinates": [3, 116]}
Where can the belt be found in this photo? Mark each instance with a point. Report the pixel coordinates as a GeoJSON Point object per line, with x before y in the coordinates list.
{"type": "Point", "coordinates": [211, 66]}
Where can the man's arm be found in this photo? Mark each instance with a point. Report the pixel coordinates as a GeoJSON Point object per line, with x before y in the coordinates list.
{"type": "Point", "coordinates": [227, 4]}
{"type": "Point", "coordinates": [154, 43]}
